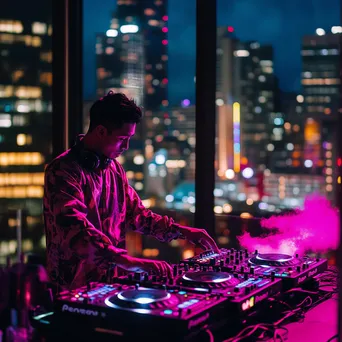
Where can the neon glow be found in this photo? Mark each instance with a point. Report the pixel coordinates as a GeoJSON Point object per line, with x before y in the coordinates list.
{"type": "Point", "coordinates": [236, 136]}
{"type": "Point", "coordinates": [249, 303]}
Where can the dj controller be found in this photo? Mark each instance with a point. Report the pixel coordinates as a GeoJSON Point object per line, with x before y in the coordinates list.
{"type": "Point", "coordinates": [204, 290]}
{"type": "Point", "coordinates": [293, 270]}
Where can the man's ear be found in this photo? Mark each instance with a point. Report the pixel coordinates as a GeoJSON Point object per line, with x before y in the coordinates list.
{"type": "Point", "coordinates": [101, 131]}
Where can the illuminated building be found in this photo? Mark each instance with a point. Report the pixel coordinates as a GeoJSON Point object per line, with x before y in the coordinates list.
{"type": "Point", "coordinates": [288, 191]}
{"type": "Point", "coordinates": [286, 145]}
{"type": "Point", "coordinates": [170, 139]}
{"type": "Point", "coordinates": [25, 116]}
{"type": "Point", "coordinates": [321, 93]}
{"type": "Point", "coordinates": [245, 98]}
{"type": "Point", "coordinates": [255, 92]}
{"type": "Point", "coordinates": [132, 58]}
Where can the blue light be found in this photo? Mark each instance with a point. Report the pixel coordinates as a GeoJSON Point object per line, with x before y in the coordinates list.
{"type": "Point", "coordinates": [182, 292]}
{"type": "Point", "coordinates": [236, 147]}
{"type": "Point", "coordinates": [278, 121]}
{"type": "Point", "coordinates": [168, 312]}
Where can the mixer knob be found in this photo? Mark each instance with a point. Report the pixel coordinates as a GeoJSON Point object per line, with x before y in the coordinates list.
{"type": "Point", "coordinates": [205, 268]}
{"type": "Point", "coordinates": [221, 263]}
{"type": "Point", "coordinates": [180, 272]}
{"type": "Point", "coordinates": [227, 260]}
{"type": "Point", "coordinates": [186, 267]}
{"type": "Point", "coordinates": [136, 286]}
{"type": "Point", "coordinates": [232, 258]}
{"type": "Point", "coordinates": [188, 311]}
{"type": "Point", "coordinates": [237, 261]}
{"type": "Point", "coordinates": [236, 289]}
{"type": "Point", "coordinates": [245, 276]}
{"type": "Point", "coordinates": [251, 271]}
{"type": "Point", "coordinates": [247, 289]}
{"type": "Point", "coordinates": [170, 281]}
{"type": "Point", "coordinates": [246, 254]}
{"type": "Point", "coordinates": [154, 278]}
{"type": "Point", "coordinates": [297, 256]}
{"type": "Point", "coordinates": [242, 269]}
{"type": "Point", "coordinates": [289, 269]}
{"type": "Point", "coordinates": [137, 276]}
{"type": "Point", "coordinates": [146, 277]}
{"type": "Point", "coordinates": [218, 269]}
{"type": "Point", "coordinates": [164, 287]}
{"type": "Point", "coordinates": [212, 261]}
{"type": "Point", "coordinates": [256, 251]}
{"type": "Point", "coordinates": [201, 255]}
{"type": "Point", "coordinates": [234, 268]}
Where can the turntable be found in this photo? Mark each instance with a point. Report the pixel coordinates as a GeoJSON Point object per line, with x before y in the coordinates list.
{"type": "Point", "coordinates": [209, 279]}
{"type": "Point", "coordinates": [294, 270]}
{"type": "Point", "coordinates": [114, 309]}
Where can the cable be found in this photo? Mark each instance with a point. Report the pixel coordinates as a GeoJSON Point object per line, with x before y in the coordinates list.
{"type": "Point", "coordinates": [332, 338]}
{"type": "Point", "coordinates": [211, 336]}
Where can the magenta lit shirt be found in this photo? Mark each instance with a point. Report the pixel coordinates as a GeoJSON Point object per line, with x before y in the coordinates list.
{"type": "Point", "coordinates": [87, 214]}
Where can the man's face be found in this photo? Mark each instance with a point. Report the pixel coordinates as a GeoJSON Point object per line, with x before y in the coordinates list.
{"type": "Point", "coordinates": [114, 143]}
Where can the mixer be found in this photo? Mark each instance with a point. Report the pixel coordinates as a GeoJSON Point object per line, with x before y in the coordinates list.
{"type": "Point", "coordinates": [241, 291]}
{"type": "Point", "coordinates": [115, 308]}
{"type": "Point", "coordinates": [205, 289]}
{"type": "Point", "coordinates": [293, 270]}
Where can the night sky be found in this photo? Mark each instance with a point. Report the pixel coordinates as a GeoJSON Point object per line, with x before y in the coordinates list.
{"type": "Point", "coordinates": [280, 23]}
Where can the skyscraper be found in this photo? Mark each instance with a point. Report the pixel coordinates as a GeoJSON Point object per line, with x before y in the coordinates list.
{"type": "Point", "coordinates": [25, 115]}
{"type": "Point", "coordinates": [321, 93]}
{"type": "Point", "coordinates": [132, 58]}
{"type": "Point", "coordinates": [245, 98]}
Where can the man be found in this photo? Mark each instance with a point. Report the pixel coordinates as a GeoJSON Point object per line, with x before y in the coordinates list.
{"type": "Point", "coordinates": [89, 205]}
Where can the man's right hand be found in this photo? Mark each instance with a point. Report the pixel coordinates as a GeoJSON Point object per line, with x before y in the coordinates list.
{"type": "Point", "coordinates": [133, 264]}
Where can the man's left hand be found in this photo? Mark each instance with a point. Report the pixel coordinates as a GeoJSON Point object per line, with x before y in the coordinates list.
{"type": "Point", "coordinates": [199, 237]}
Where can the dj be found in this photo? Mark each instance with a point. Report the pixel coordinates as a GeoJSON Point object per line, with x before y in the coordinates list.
{"type": "Point", "coordinates": [89, 205]}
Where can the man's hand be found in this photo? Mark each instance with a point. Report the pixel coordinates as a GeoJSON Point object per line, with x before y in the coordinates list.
{"type": "Point", "coordinates": [133, 264]}
{"type": "Point", "coordinates": [199, 237]}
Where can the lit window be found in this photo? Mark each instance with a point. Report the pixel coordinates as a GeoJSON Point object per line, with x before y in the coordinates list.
{"type": "Point", "coordinates": [149, 11]}
{"type": "Point", "coordinates": [46, 56]}
{"type": "Point", "coordinates": [24, 139]}
{"type": "Point", "coordinates": [5, 120]}
{"type": "Point", "coordinates": [46, 78]}
{"type": "Point", "coordinates": [20, 120]}
{"type": "Point", "coordinates": [39, 28]}
{"type": "Point", "coordinates": [12, 26]}
{"type": "Point", "coordinates": [153, 22]}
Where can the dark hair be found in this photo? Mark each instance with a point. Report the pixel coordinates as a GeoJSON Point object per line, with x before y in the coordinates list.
{"type": "Point", "coordinates": [113, 111]}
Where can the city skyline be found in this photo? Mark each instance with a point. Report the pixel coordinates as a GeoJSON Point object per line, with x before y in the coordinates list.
{"type": "Point", "coordinates": [306, 17]}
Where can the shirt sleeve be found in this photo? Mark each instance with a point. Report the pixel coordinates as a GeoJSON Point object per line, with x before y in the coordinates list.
{"type": "Point", "coordinates": [70, 230]}
{"type": "Point", "coordinates": [144, 221]}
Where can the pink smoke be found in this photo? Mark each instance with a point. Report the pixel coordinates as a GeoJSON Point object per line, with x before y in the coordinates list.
{"type": "Point", "coordinates": [315, 228]}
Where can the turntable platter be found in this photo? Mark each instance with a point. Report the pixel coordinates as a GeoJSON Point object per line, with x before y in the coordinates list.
{"type": "Point", "coordinates": [207, 277]}
{"type": "Point", "coordinates": [274, 259]}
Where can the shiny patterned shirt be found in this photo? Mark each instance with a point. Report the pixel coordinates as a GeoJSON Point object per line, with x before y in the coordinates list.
{"type": "Point", "coordinates": [86, 214]}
